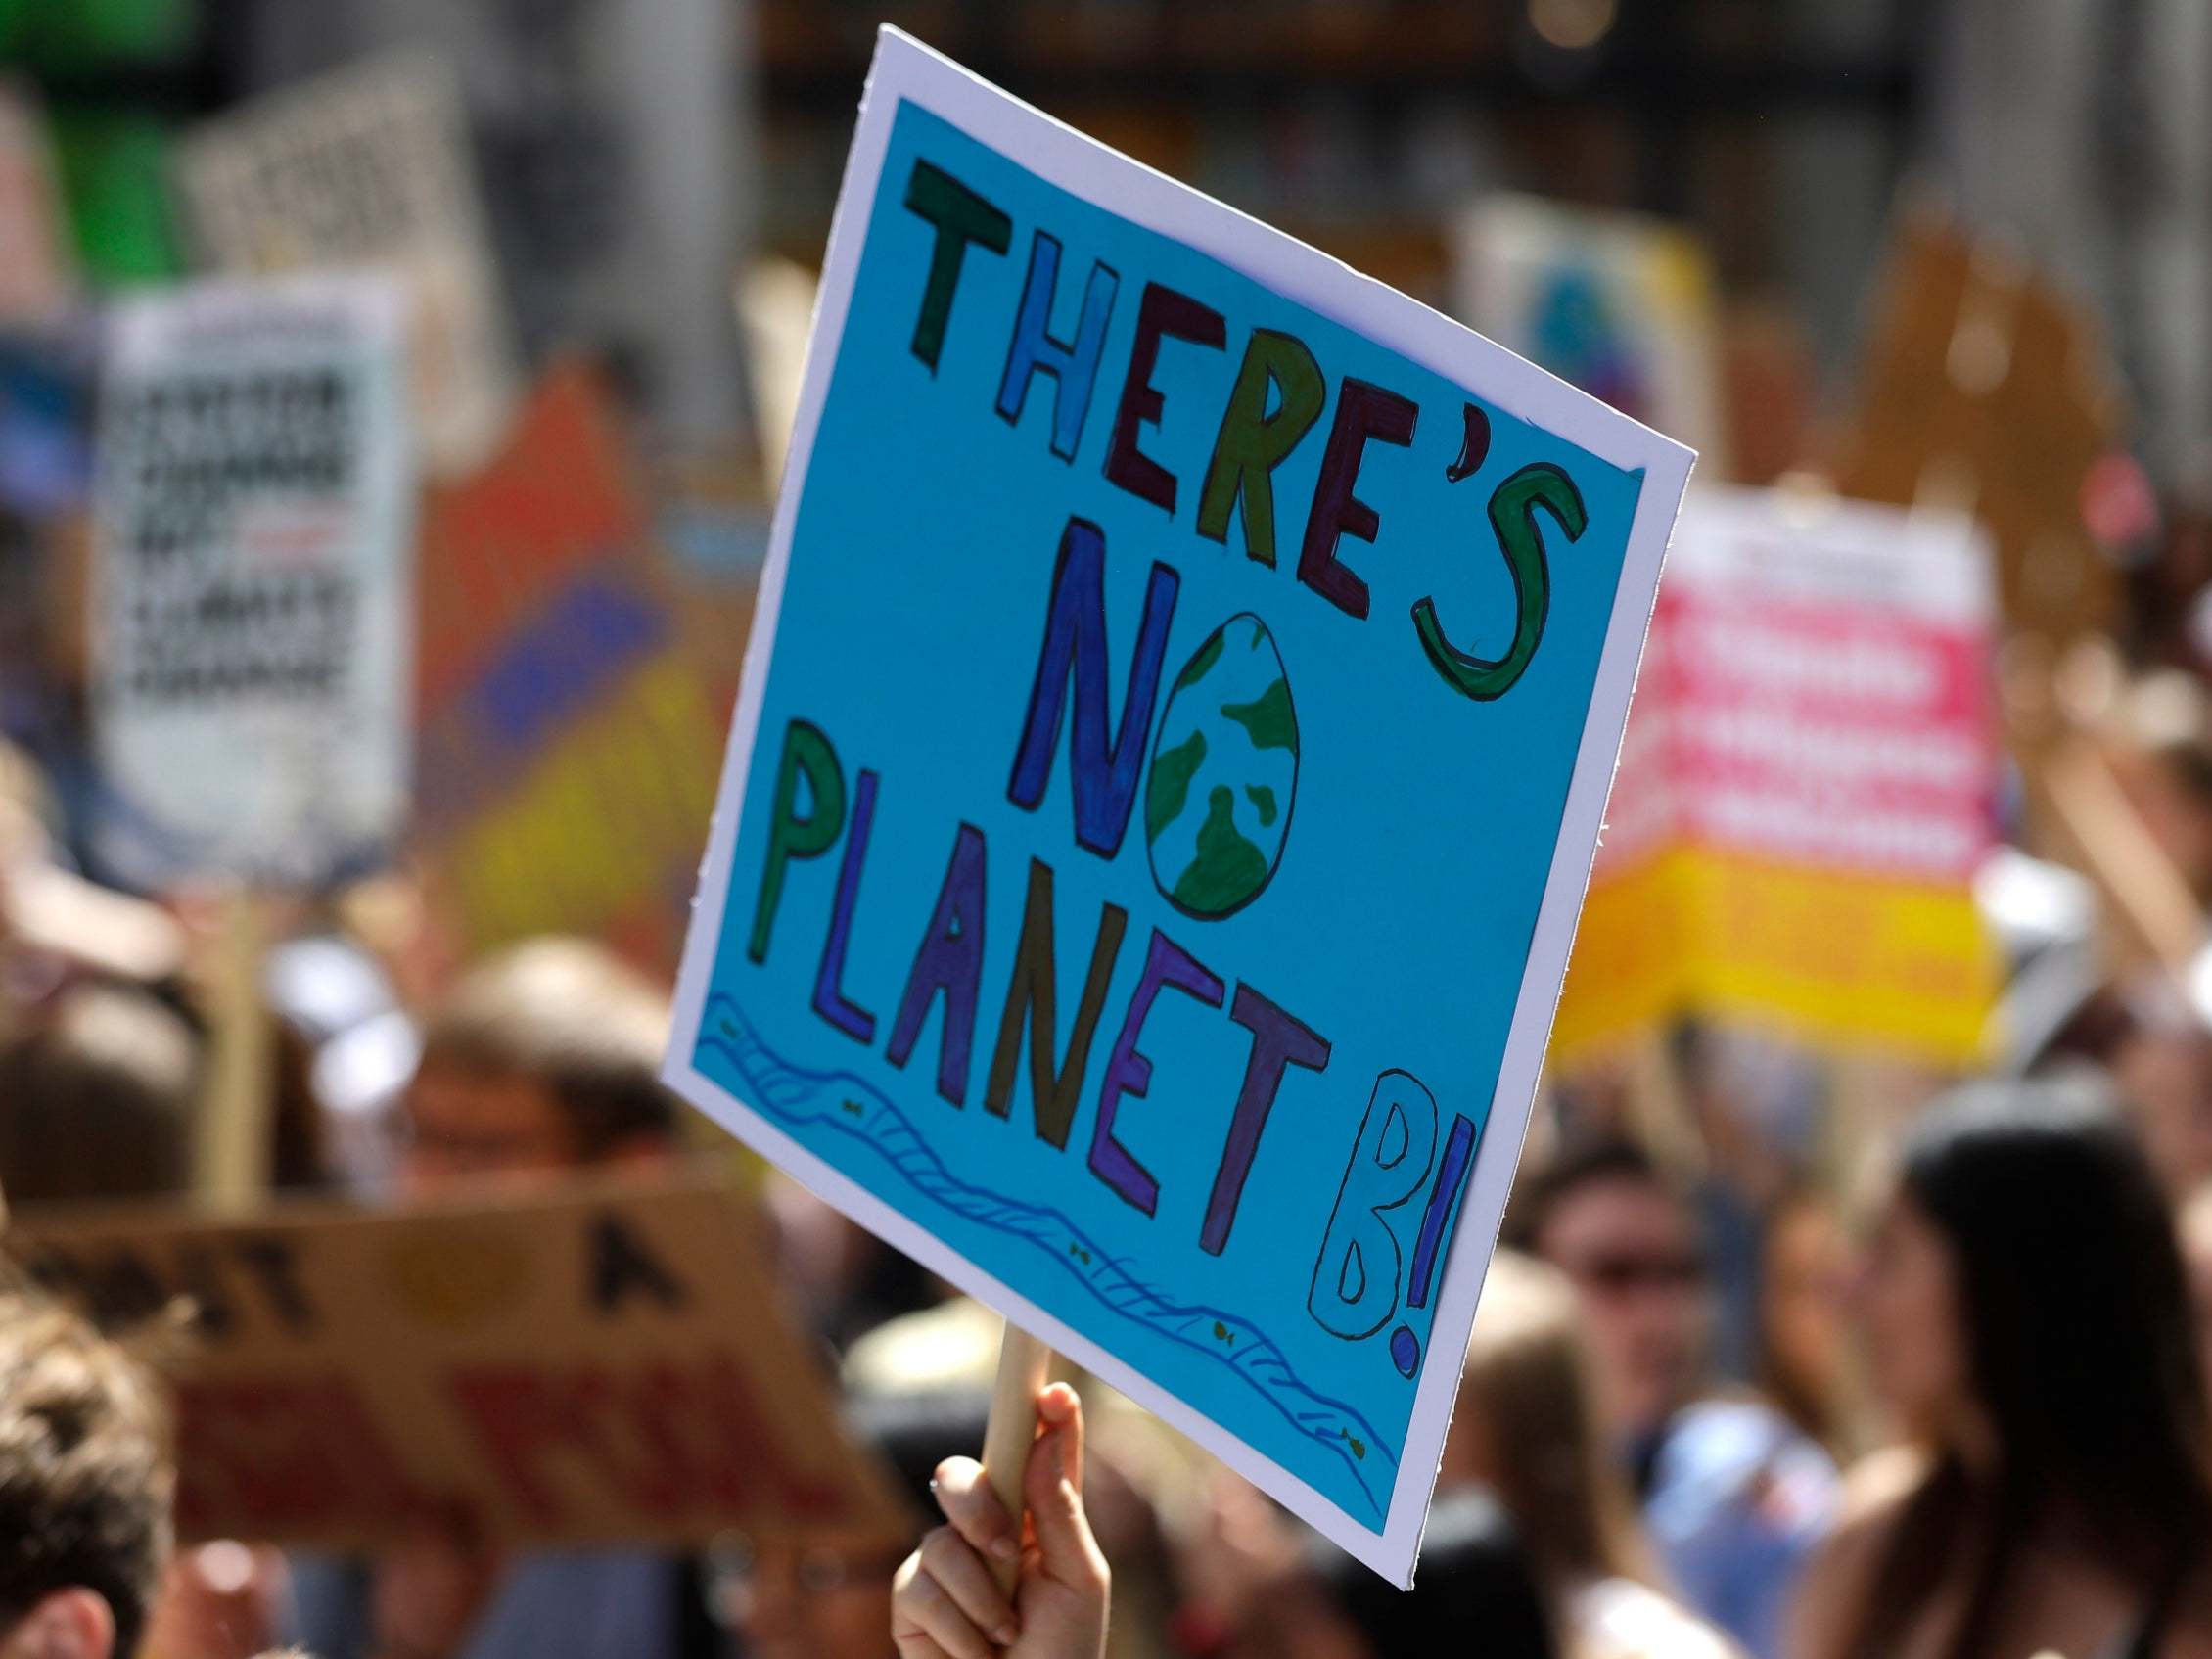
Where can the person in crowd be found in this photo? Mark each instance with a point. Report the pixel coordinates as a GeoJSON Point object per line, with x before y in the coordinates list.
{"type": "Point", "coordinates": [1804, 1283]}
{"type": "Point", "coordinates": [55, 925]}
{"type": "Point", "coordinates": [2066, 1012]}
{"type": "Point", "coordinates": [829, 1597]}
{"type": "Point", "coordinates": [946, 1599]}
{"type": "Point", "coordinates": [2028, 1325]}
{"type": "Point", "coordinates": [1527, 1428]}
{"type": "Point", "coordinates": [2162, 1069]}
{"type": "Point", "coordinates": [1302, 1598]}
{"type": "Point", "coordinates": [85, 1482]}
{"type": "Point", "coordinates": [1259, 1585]}
{"type": "Point", "coordinates": [96, 1103]}
{"type": "Point", "coordinates": [1734, 1496]}
{"type": "Point", "coordinates": [98, 1095]}
{"type": "Point", "coordinates": [1474, 1576]}
{"type": "Point", "coordinates": [848, 1284]}
{"type": "Point", "coordinates": [543, 1061]}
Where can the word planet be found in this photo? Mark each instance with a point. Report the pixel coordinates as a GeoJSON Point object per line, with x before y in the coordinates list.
{"type": "Point", "coordinates": [1224, 768]}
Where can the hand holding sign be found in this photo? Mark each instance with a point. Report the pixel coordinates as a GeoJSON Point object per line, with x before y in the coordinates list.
{"type": "Point", "coordinates": [945, 1601]}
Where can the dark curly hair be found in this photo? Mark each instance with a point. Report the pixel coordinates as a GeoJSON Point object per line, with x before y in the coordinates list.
{"type": "Point", "coordinates": [86, 1476]}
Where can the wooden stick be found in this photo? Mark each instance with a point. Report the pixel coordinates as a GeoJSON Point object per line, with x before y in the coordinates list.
{"type": "Point", "coordinates": [2147, 902]}
{"type": "Point", "coordinates": [233, 1147]}
{"type": "Point", "coordinates": [1022, 1361]}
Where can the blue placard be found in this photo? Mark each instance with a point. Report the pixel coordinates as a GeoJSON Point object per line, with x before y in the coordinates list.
{"type": "Point", "coordinates": [1181, 651]}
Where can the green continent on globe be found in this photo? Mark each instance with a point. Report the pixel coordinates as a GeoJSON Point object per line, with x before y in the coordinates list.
{"type": "Point", "coordinates": [1227, 738]}
{"type": "Point", "coordinates": [1228, 869]}
{"type": "Point", "coordinates": [1170, 789]}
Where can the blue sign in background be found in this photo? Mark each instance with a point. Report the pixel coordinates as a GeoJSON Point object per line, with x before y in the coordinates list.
{"type": "Point", "coordinates": [1411, 827]}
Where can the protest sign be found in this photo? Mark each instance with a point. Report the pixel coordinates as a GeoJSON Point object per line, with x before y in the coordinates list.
{"type": "Point", "coordinates": [1620, 305]}
{"type": "Point", "coordinates": [1352, 599]}
{"type": "Point", "coordinates": [370, 165]}
{"type": "Point", "coordinates": [38, 266]}
{"type": "Point", "coordinates": [1986, 391]}
{"type": "Point", "coordinates": [568, 745]}
{"type": "Point", "coordinates": [252, 514]}
{"type": "Point", "coordinates": [1807, 788]}
{"type": "Point", "coordinates": [597, 1365]}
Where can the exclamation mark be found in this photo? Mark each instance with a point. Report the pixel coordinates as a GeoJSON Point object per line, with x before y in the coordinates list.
{"type": "Point", "coordinates": [1452, 1176]}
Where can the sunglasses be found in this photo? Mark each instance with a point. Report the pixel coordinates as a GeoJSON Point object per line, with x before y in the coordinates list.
{"type": "Point", "coordinates": [1624, 1274]}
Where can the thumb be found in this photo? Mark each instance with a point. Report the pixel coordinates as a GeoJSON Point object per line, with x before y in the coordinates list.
{"type": "Point", "coordinates": [1052, 1487]}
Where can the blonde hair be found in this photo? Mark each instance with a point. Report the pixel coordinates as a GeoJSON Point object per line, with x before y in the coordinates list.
{"type": "Point", "coordinates": [1528, 1381]}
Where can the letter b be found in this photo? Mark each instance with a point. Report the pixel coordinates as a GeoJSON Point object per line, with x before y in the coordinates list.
{"type": "Point", "coordinates": [1356, 1280]}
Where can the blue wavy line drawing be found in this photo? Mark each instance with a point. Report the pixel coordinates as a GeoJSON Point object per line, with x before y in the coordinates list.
{"type": "Point", "coordinates": [849, 1105]}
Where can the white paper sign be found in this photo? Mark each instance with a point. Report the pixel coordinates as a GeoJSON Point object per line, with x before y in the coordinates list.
{"type": "Point", "coordinates": [369, 165]}
{"type": "Point", "coordinates": [1620, 305]}
{"type": "Point", "coordinates": [252, 525]}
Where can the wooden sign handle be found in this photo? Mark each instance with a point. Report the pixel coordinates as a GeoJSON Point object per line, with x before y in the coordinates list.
{"type": "Point", "coordinates": [1022, 1361]}
{"type": "Point", "coordinates": [232, 1154]}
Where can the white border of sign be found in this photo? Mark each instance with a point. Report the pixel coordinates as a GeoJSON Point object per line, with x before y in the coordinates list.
{"type": "Point", "coordinates": [905, 70]}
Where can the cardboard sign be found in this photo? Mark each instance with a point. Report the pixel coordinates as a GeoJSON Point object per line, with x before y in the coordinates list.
{"type": "Point", "coordinates": [369, 165]}
{"type": "Point", "coordinates": [253, 516]}
{"type": "Point", "coordinates": [37, 264]}
{"type": "Point", "coordinates": [1620, 305]}
{"type": "Point", "coordinates": [1987, 391]}
{"type": "Point", "coordinates": [568, 741]}
{"type": "Point", "coordinates": [604, 1365]}
{"type": "Point", "coordinates": [1185, 685]}
{"type": "Point", "coordinates": [1807, 789]}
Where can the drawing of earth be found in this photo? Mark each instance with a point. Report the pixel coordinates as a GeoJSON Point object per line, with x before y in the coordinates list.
{"type": "Point", "coordinates": [1224, 768]}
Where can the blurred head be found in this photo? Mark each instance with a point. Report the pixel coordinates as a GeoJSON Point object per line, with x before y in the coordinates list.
{"type": "Point", "coordinates": [2151, 1039]}
{"type": "Point", "coordinates": [96, 1099]}
{"type": "Point", "coordinates": [1803, 1284]}
{"type": "Point", "coordinates": [821, 1596]}
{"type": "Point", "coordinates": [541, 1059]}
{"type": "Point", "coordinates": [1913, 1316]}
{"type": "Point", "coordinates": [1622, 1234]}
{"type": "Point", "coordinates": [826, 1595]}
{"type": "Point", "coordinates": [1528, 1429]}
{"type": "Point", "coordinates": [1473, 1575]}
{"type": "Point", "coordinates": [85, 1487]}
{"type": "Point", "coordinates": [2025, 1307]}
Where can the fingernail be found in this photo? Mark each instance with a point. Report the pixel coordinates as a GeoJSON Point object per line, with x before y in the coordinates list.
{"type": "Point", "coordinates": [1005, 1635]}
{"type": "Point", "coordinates": [1004, 1548]}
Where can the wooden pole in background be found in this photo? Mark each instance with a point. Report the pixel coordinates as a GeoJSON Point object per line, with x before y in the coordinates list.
{"type": "Point", "coordinates": [232, 1148]}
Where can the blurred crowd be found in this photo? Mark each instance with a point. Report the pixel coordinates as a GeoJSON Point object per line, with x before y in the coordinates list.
{"type": "Point", "coordinates": [1785, 1353]}
{"type": "Point", "coordinates": [1951, 1402]}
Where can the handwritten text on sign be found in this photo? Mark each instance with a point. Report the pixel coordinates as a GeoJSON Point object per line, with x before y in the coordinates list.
{"type": "Point", "coordinates": [1175, 697]}
{"type": "Point", "coordinates": [601, 1364]}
